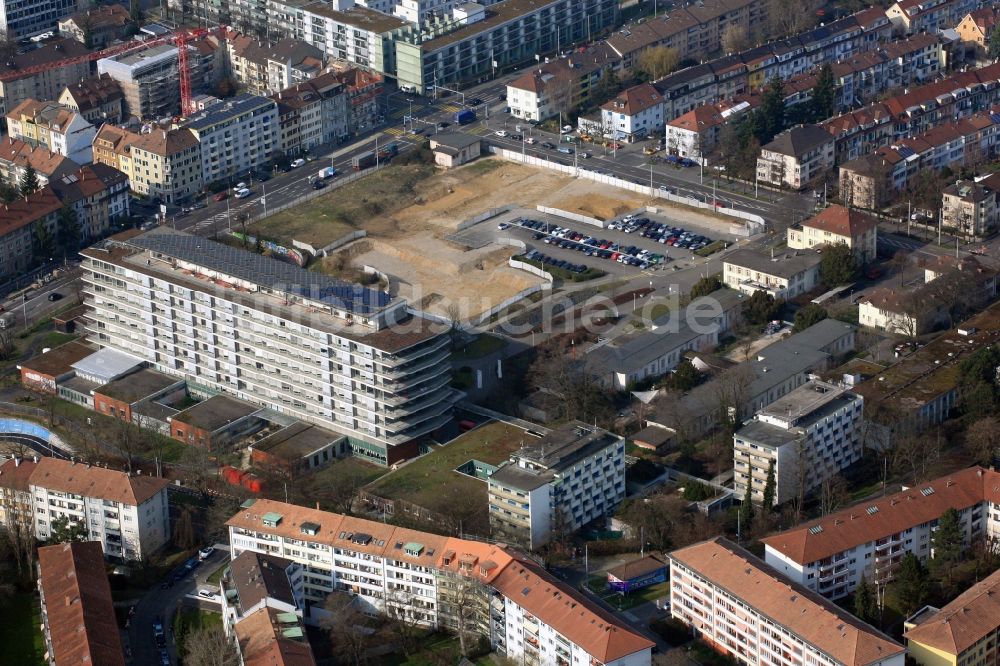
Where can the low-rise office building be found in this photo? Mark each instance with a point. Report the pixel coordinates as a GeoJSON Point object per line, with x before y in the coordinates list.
{"type": "Point", "coordinates": [807, 436]}
{"type": "Point", "coordinates": [568, 478]}
{"type": "Point", "coordinates": [524, 612]}
{"type": "Point", "coordinates": [832, 554]}
{"type": "Point", "coordinates": [749, 612]}
{"type": "Point", "coordinates": [784, 275]}
{"type": "Point", "coordinates": [126, 513]}
{"type": "Point", "coordinates": [78, 616]}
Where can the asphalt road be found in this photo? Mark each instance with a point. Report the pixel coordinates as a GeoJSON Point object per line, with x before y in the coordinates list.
{"type": "Point", "coordinates": [162, 604]}
{"type": "Point", "coordinates": [35, 304]}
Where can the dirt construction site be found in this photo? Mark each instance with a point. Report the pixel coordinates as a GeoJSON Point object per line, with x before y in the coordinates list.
{"type": "Point", "coordinates": [408, 228]}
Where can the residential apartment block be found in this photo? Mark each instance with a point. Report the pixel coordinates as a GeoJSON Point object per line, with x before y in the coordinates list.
{"type": "Point", "coordinates": [526, 614]}
{"type": "Point", "coordinates": [312, 113]}
{"type": "Point", "coordinates": [234, 136]}
{"type": "Point", "coordinates": [164, 164]}
{"type": "Point", "coordinates": [349, 359]}
{"type": "Point", "coordinates": [126, 513]}
{"type": "Point", "coordinates": [53, 126]}
{"type": "Point", "coordinates": [98, 26]}
{"type": "Point", "coordinates": [695, 134]}
{"type": "Point", "coordinates": [830, 555]}
{"type": "Point", "coordinates": [99, 99]}
{"type": "Point", "coordinates": [78, 615]}
{"type": "Point", "coordinates": [749, 612]}
{"type": "Point", "coordinates": [976, 28]}
{"type": "Point", "coordinates": [966, 631]}
{"type": "Point", "coordinates": [969, 208]}
{"type": "Point", "coordinates": [98, 194]}
{"type": "Point", "coordinates": [264, 68]}
{"type": "Point", "coordinates": [27, 83]}
{"type": "Point", "coordinates": [18, 220]}
{"type": "Point", "coordinates": [634, 113]}
{"type": "Point", "coordinates": [16, 512]}
{"type": "Point", "coordinates": [564, 83]}
{"type": "Point", "coordinates": [784, 275]}
{"type": "Point", "coordinates": [16, 156]}
{"type": "Point", "coordinates": [568, 478]}
{"type": "Point", "coordinates": [504, 35]}
{"type": "Point", "coordinates": [913, 16]}
{"type": "Point", "coordinates": [835, 225]}
{"type": "Point", "coordinates": [796, 157]}
{"type": "Point", "coordinates": [808, 435]}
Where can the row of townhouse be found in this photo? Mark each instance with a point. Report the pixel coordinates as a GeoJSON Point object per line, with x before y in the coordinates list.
{"type": "Point", "coordinates": [830, 555]}
{"type": "Point", "coordinates": [127, 514]}
{"type": "Point", "coordinates": [264, 68]}
{"type": "Point", "coordinates": [872, 180]}
{"type": "Point", "coordinates": [434, 581]}
{"type": "Point", "coordinates": [54, 126]}
{"type": "Point", "coordinates": [912, 16]}
{"type": "Point", "coordinates": [918, 110]}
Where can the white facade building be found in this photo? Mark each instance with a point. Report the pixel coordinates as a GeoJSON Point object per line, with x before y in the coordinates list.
{"type": "Point", "coordinates": [350, 359]}
{"type": "Point", "coordinates": [431, 580]}
{"type": "Point", "coordinates": [127, 513]}
{"type": "Point", "coordinates": [796, 157]}
{"type": "Point", "coordinates": [748, 611]}
{"type": "Point", "coordinates": [635, 113]}
{"type": "Point", "coordinates": [809, 435]}
{"type": "Point", "coordinates": [784, 275]}
{"type": "Point", "coordinates": [829, 556]}
{"type": "Point", "coordinates": [237, 135]}
{"type": "Point", "coordinates": [563, 481]}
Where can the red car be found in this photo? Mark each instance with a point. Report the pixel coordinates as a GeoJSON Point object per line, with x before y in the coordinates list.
{"type": "Point", "coordinates": [221, 196]}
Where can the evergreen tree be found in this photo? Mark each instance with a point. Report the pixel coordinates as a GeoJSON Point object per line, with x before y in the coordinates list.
{"type": "Point", "coordinates": [911, 584]}
{"type": "Point", "coordinates": [994, 45]}
{"type": "Point", "coordinates": [706, 286]}
{"type": "Point", "coordinates": [43, 242]}
{"type": "Point", "coordinates": [746, 508]}
{"type": "Point", "coordinates": [865, 603]}
{"type": "Point", "coordinates": [772, 110]}
{"type": "Point", "coordinates": [29, 182]}
{"type": "Point", "coordinates": [948, 538]}
{"type": "Point", "coordinates": [62, 530]}
{"type": "Point", "coordinates": [769, 487]}
{"type": "Point", "coordinates": [838, 265]}
{"type": "Point", "coordinates": [68, 231]}
{"type": "Point", "coordinates": [823, 95]}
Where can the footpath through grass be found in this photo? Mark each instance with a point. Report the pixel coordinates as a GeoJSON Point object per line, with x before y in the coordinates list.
{"type": "Point", "coordinates": [22, 640]}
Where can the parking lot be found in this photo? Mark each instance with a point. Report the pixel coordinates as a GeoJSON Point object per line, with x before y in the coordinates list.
{"type": "Point", "coordinates": [629, 244]}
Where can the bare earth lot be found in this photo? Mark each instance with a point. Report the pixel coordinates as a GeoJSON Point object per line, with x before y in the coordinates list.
{"type": "Point", "coordinates": [408, 211]}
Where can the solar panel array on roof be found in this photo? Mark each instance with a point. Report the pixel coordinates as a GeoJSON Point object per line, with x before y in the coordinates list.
{"type": "Point", "coordinates": [995, 117]}
{"type": "Point", "coordinates": [905, 151]}
{"type": "Point", "coordinates": [265, 271]}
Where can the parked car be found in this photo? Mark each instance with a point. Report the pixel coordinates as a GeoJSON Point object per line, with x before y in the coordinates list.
{"type": "Point", "coordinates": [208, 594]}
{"type": "Point", "coordinates": [297, 163]}
{"type": "Point", "coordinates": [243, 193]}
{"type": "Point", "coordinates": [566, 129]}
{"type": "Point", "coordinates": [546, 144]}
{"type": "Point", "coordinates": [206, 552]}
{"type": "Point", "coordinates": [443, 125]}
{"type": "Point", "coordinates": [221, 196]}
{"type": "Point", "coordinates": [503, 226]}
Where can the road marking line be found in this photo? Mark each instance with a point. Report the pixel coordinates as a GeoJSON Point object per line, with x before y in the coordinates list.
{"type": "Point", "coordinates": [394, 131]}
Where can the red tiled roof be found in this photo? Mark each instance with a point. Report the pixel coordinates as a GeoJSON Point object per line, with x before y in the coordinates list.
{"type": "Point", "coordinates": [14, 474]}
{"type": "Point", "coordinates": [816, 620]}
{"type": "Point", "coordinates": [26, 210]}
{"type": "Point", "coordinates": [81, 617]}
{"type": "Point", "coordinates": [90, 481]}
{"type": "Point", "coordinates": [832, 534]}
{"type": "Point", "coordinates": [634, 100]}
{"type": "Point", "coordinates": [841, 221]}
{"type": "Point", "coordinates": [965, 621]}
{"type": "Point", "coordinates": [262, 642]}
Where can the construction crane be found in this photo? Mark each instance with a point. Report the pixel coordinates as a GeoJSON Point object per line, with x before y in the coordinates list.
{"type": "Point", "coordinates": [179, 39]}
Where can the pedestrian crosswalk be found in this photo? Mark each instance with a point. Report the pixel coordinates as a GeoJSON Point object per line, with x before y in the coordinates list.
{"type": "Point", "coordinates": [449, 108]}
{"type": "Point", "coordinates": [398, 114]}
{"type": "Point", "coordinates": [394, 131]}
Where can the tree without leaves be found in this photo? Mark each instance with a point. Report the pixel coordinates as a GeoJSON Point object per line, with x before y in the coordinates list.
{"type": "Point", "coordinates": [348, 628]}
{"type": "Point", "coordinates": [43, 241]}
{"type": "Point", "coordinates": [184, 530]}
{"type": "Point", "coordinates": [769, 488]}
{"type": "Point", "coordinates": [735, 39]}
{"type": "Point", "coordinates": [657, 61]}
{"type": "Point", "coordinates": [566, 386]}
{"type": "Point", "coordinates": [982, 438]}
{"type": "Point", "coordinates": [834, 493]}
{"type": "Point", "coordinates": [337, 487]}
{"type": "Point", "coordinates": [838, 266]}
{"type": "Point", "coordinates": [209, 646]}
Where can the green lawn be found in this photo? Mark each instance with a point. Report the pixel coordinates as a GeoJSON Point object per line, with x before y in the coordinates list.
{"type": "Point", "coordinates": [189, 620]}
{"type": "Point", "coordinates": [439, 649]}
{"type": "Point", "coordinates": [711, 248]}
{"type": "Point", "coordinates": [22, 640]}
{"type": "Point", "coordinates": [598, 585]}
{"type": "Point", "coordinates": [483, 345]}
{"type": "Point", "coordinates": [216, 576]}
{"type": "Point", "coordinates": [55, 338]}
{"type": "Point", "coordinates": [420, 481]}
{"type": "Point", "coordinates": [562, 273]}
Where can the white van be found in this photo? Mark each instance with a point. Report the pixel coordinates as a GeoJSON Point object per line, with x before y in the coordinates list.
{"type": "Point", "coordinates": [243, 194]}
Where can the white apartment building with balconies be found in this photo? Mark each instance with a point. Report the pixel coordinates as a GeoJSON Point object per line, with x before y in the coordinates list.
{"type": "Point", "coordinates": [569, 477]}
{"type": "Point", "coordinates": [809, 435]}
{"type": "Point", "coordinates": [748, 611]}
{"type": "Point", "coordinates": [335, 354]}
{"type": "Point", "coordinates": [436, 581]}
{"type": "Point", "coordinates": [127, 513]}
{"type": "Point", "coordinates": [830, 555]}
{"type": "Point", "coordinates": [237, 135]}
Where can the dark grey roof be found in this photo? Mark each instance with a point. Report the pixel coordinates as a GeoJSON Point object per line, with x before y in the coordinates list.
{"type": "Point", "coordinates": [265, 271]}
{"type": "Point", "coordinates": [767, 435]}
{"type": "Point", "coordinates": [799, 140]}
{"type": "Point", "coordinates": [138, 385]}
{"type": "Point", "coordinates": [636, 352]}
{"type": "Point", "coordinates": [455, 140]}
{"type": "Point", "coordinates": [784, 264]}
{"type": "Point", "coordinates": [215, 413]}
{"type": "Point", "coordinates": [258, 576]}
{"type": "Point", "coordinates": [512, 476]}
{"type": "Point", "coordinates": [236, 106]}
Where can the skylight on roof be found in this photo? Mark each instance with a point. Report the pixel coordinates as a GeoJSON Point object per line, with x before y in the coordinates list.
{"type": "Point", "coordinates": [815, 529]}
{"type": "Point", "coordinates": [872, 510]}
{"type": "Point", "coordinates": [927, 491]}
